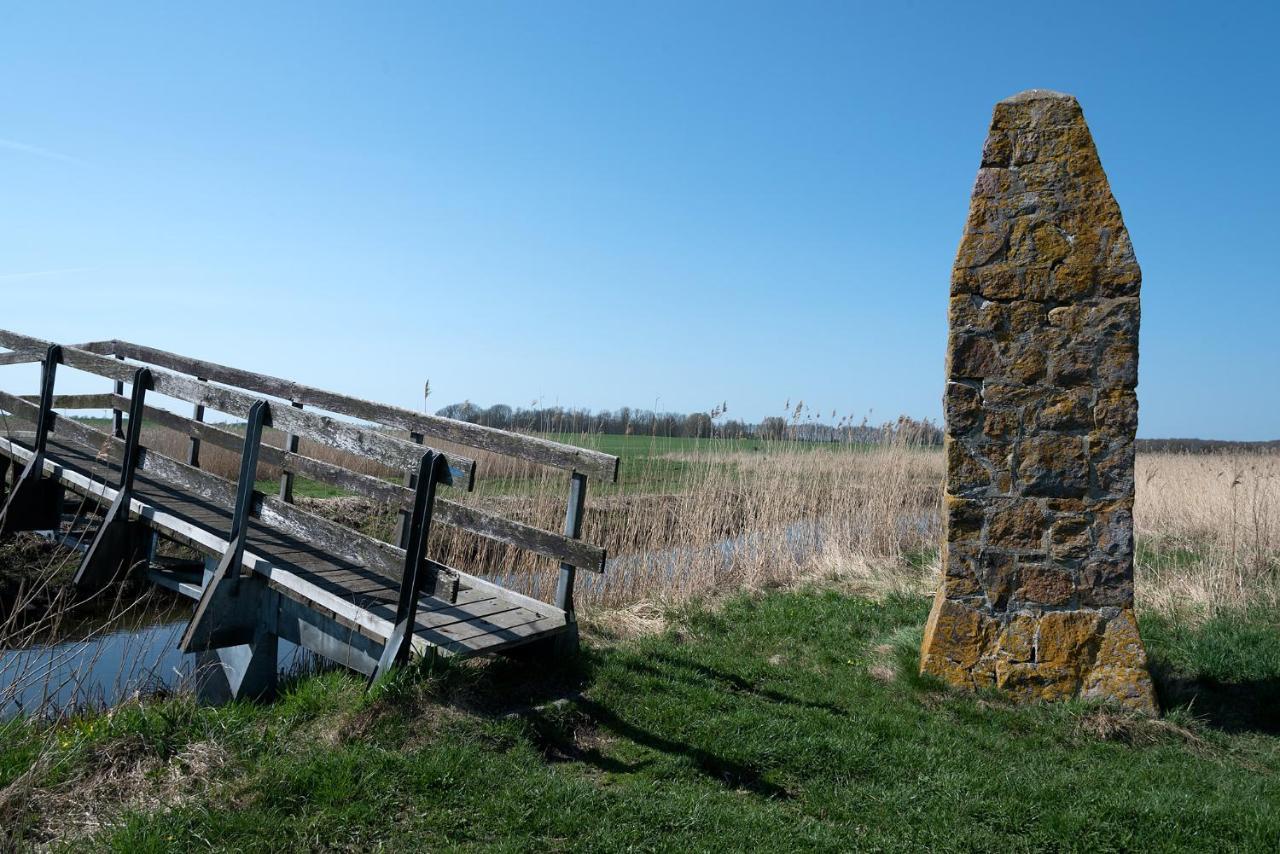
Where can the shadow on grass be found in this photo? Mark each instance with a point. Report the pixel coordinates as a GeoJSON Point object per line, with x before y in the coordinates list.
{"type": "Point", "coordinates": [1250, 705]}
{"type": "Point", "coordinates": [1224, 671]}
{"type": "Point", "coordinates": [714, 678]}
{"type": "Point", "coordinates": [732, 775]}
{"type": "Point", "coordinates": [565, 726]}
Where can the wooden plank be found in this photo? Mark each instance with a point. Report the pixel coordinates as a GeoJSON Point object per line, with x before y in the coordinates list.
{"type": "Point", "coordinates": [489, 525]}
{"type": "Point", "coordinates": [507, 626]}
{"type": "Point", "coordinates": [471, 582]}
{"type": "Point", "coordinates": [448, 616]}
{"type": "Point", "coordinates": [489, 644]}
{"type": "Point", "coordinates": [518, 445]}
{"type": "Point", "coordinates": [79, 401]}
{"type": "Point", "coordinates": [388, 450]}
{"type": "Point", "coordinates": [300, 623]}
{"type": "Point", "coordinates": [21, 357]}
{"type": "Point", "coordinates": [24, 343]}
{"type": "Point", "coordinates": [464, 597]}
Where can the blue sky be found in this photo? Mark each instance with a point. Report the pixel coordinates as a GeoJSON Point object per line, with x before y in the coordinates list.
{"type": "Point", "coordinates": [614, 204]}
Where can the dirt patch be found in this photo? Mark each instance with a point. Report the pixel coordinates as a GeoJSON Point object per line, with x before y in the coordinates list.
{"type": "Point", "coordinates": [883, 667]}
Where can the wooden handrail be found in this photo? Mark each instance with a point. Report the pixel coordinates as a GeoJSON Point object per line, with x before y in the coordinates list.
{"type": "Point", "coordinates": [482, 523]}
{"type": "Point", "coordinates": [488, 525]}
{"type": "Point", "coordinates": [390, 451]}
{"type": "Point", "coordinates": [530, 448]}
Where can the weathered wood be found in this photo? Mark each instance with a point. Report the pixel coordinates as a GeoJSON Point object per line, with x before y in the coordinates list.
{"type": "Point", "coordinates": [489, 525]}
{"type": "Point", "coordinates": [371, 624]}
{"type": "Point", "coordinates": [208, 543]}
{"type": "Point", "coordinates": [410, 481]}
{"type": "Point", "coordinates": [324, 564]}
{"type": "Point", "coordinates": [299, 622]}
{"type": "Point", "coordinates": [388, 450]}
{"type": "Point", "coordinates": [35, 503]}
{"type": "Point", "coordinates": [520, 446]}
{"type": "Point", "coordinates": [79, 401]}
{"type": "Point", "coordinates": [21, 357]}
{"type": "Point", "coordinates": [117, 422]}
{"type": "Point", "coordinates": [365, 442]}
{"type": "Point", "coordinates": [286, 474]}
{"type": "Point", "coordinates": [193, 442]}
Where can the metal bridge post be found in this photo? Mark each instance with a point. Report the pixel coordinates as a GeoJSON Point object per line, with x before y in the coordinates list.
{"type": "Point", "coordinates": [224, 618]}
{"type": "Point", "coordinates": [119, 543]}
{"type": "Point", "coordinates": [431, 470]}
{"type": "Point", "coordinates": [568, 572]}
{"type": "Point", "coordinates": [35, 503]}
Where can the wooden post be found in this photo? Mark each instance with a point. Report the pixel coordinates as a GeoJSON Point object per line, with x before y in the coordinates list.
{"type": "Point", "coordinates": [193, 450]}
{"type": "Point", "coordinates": [411, 481]}
{"type": "Point", "coordinates": [568, 572]}
{"type": "Point", "coordinates": [286, 476]}
{"type": "Point", "coordinates": [117, 427]}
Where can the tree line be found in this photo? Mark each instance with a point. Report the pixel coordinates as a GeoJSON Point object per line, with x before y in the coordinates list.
{"type": "Point", "coordinates": [800, 424]}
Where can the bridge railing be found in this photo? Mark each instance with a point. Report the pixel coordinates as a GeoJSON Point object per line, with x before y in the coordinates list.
{"type": "Point", "coordinates": [193, 381]}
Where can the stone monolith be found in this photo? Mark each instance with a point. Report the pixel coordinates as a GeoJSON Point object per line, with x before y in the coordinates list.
{"type": "Point", "coordinates": [1036, 596]}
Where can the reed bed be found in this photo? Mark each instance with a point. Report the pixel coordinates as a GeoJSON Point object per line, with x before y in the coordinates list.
{"type": "Point", "coordinates": [1208, 532]}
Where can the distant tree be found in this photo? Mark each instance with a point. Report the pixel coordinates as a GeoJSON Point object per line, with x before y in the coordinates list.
{"type": "Point", "coordinates": [498, 415]}
{"type": "Point", "coordinates": [773, 427]}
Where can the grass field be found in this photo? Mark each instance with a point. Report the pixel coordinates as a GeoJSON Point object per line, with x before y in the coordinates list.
{"type": "Point", "coordinates": [785, 721]}
{"type": "Point", "coordinates": [649, 463]}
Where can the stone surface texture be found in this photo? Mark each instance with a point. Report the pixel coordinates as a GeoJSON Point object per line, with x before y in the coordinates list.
{"type": "Point", "coordinates": [1036, 596]}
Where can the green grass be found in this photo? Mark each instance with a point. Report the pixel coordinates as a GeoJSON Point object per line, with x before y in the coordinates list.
{"type": "Point", "coordinates": [791, 721]}
{"type": "Point", "coordinates": [302, 488]}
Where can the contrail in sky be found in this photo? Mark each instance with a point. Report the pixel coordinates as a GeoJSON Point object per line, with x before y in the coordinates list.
{"type": "Point", "coordinates": [37, 151]}
{"type": "Point", "coordinates": [36, 274]}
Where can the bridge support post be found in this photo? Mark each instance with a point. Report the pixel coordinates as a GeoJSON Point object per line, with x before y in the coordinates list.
{"type": "Point", "coordinates": [228, 615]}
{"type": "Point", "coordinates": [431, 469]}
{"type": "Point", "coordinates": [227, 671]}
{"type": "Point", "coordinates": [35, 502]}
{"type": "Point", "coordinates": [120, 544]}
{"type": "Point", "coordinates": [567, 642]}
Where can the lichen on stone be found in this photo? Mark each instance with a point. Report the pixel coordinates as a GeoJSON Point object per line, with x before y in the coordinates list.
{"type": "Point", "coordinates": [1042, 362]}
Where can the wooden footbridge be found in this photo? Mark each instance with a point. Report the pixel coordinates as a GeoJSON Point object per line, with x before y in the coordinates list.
{"type": "Point", "coordinates": [271, 570]}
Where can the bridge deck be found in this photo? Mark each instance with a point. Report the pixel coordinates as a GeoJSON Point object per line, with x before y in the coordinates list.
{"type": "Point", "coordinates": [484, 618]}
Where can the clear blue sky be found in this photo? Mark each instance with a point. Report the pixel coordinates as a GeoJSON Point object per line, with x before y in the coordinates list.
{"type": "Point", "coordinates": [605, 204]}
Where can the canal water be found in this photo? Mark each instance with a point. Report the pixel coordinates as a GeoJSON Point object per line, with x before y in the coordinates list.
{"type": "Point", "coordinates": [107, 667]}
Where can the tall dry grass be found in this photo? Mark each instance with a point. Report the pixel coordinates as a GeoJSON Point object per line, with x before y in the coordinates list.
{"type": "Point", "coordinates": [721, 519]}
{"type": "Point", "coordinates": [1208, 532]}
